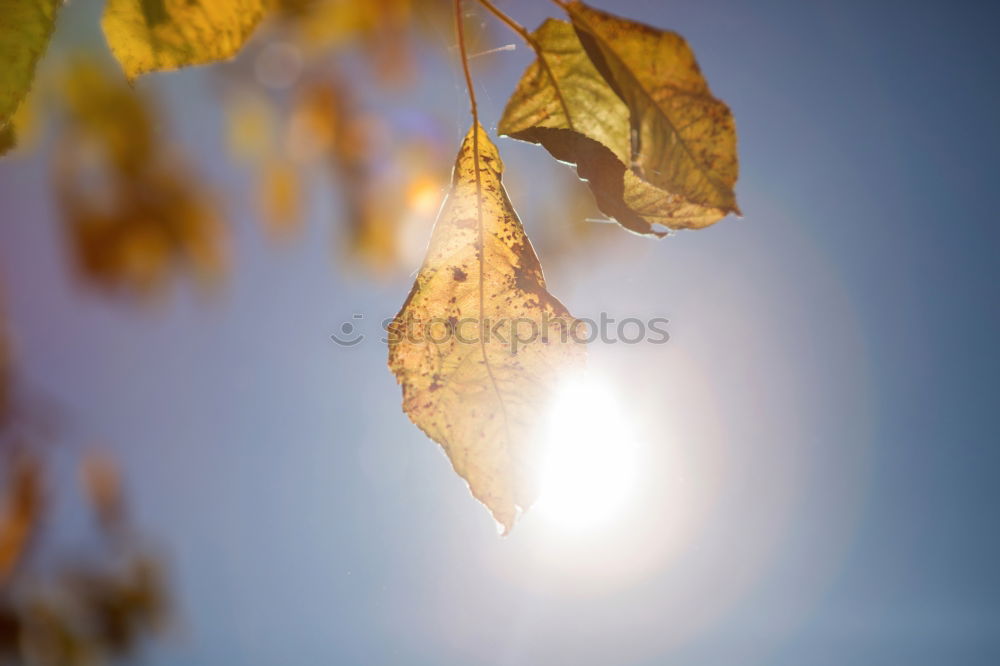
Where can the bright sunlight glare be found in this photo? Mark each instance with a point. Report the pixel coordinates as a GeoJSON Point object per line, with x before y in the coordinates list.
{"type": "Point", "coordinates": [589, 467]}
{"type": "Point", "coordinates": [423, 196]}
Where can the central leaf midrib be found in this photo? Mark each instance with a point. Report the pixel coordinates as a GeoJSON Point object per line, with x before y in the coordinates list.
{"type": "Point", "coordinates": [482, 263]}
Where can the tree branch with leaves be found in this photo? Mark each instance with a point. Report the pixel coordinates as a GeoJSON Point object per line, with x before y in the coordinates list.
{"type": "Point", "coordinates": [624, 103]}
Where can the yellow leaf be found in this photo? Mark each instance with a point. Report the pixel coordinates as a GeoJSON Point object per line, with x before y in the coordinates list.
{"type": "Point", "coordinates": [134, 211]}
{"type": "Point", "coordinates": [281, 198]}
{"type": "Point", "coordinates": [250, 127]}
{"type": "Point", "coordinates": [684, 140]}
{"type": "Point", "coordinates": [8, 139]}
{"type": "Point", "coordinates": [563, 90]}
{"type": "Point", "coordinates": [154, 35]}
{"type": "Point", "coordinates": [25, 28]}
{"type": "Point", "coordinates": [102, 485]}
{"type": "Point", "coordinates": [480, 344]}
{"type": "Point", "coordinates": [564, 103]}
{"type": "Point", "coordinates": [20, 505]}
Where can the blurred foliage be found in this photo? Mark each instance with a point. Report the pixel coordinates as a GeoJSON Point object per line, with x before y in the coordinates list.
{"type": "Point", "coordinates": [88, 610]}
{"type": "Point", "coordinates": [300, 122]}
{"type": "Point", "coordinates": [21, 508]}
{"type": "Point", "coordinates": [316, 104]}
{"type": "Point", "coordinates": [81, 609]}
{"type": "Point", "coordinates": [8, 139]}
{"type": "Point", "coordinates": [156, 35]}
{"type": "Point", "coordinates": [133, 209]}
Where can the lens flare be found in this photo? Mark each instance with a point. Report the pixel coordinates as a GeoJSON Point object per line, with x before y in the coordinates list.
{"type": "Point", "coordinates": [589, 468]}
{"type": "Point", "coordinates": [423, 196]}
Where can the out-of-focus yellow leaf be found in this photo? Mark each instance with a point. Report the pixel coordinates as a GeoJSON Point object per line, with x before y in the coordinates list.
{"type": "Point", "coordinates": [134, 211]}
{"type": "Point", "coordinates": [20, 505]}
{"type": "Point", "coordinates": [393, 206]}
{"type": "Point", "coordinates": [564, 103]}
{"type": "Point", "coordinates": [684, 139]}
{"type": "Point", "coordinates": [380, 27]}
{"type": "Point", "coordinates": [102, 485]}
{"type": "Point", "coordinates": [108, 117]}
{"type": "Point", "coordinates": [331, 23]}
{"type": "Point", "coordinates": [153, 35]}
{"type": "Point", "coordinates": [25, 28]}
{"type": "Point", "coordinates": [154, 224]}
{"type": "Point", "coordinates": [281, 198]}
{"type": "Point", "coordinates": [480, 344]}
{"type": "Point", "coordinates": [314, 123]}
{"type": "Point", "coordinates": [250, 128]}
{"type": "Point", "coordinates": [7, 139]}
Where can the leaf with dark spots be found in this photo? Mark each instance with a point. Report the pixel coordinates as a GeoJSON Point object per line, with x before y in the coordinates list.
{"type": "Point", "coordinates": [482, 392]}
{"type": "Point", "coordinates": [684, 138]}
{"type": "Point", "coordinates": [564, 103]}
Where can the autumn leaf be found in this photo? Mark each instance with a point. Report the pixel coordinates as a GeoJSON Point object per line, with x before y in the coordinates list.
{"type": "Point", "coordinates": [281, 198]}
{"type": "Point", "coordinates": [20, 505]}
{"type": "Point", "coordinates": [565, 104]}
{"type": "Point", "coordinates": [562, 90]}
{"type": "Point", "coordinates": [467, 381]}
{"type": "Point", "coordinates": [101, 480]}
{"type": "Point", "coordinates": [154, 35]}
{"type": "Point", "coordinates": [133, 210]}
{"type": "Point", "coordinates": [8, 139]}
{"type": "Point", "coordinates": [25, 28]}
{"type": "Point", "coordinates": [684, 139]}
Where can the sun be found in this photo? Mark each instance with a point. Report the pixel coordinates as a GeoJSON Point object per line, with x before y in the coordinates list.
{"type": "Point", "coordinates": [589, 465]}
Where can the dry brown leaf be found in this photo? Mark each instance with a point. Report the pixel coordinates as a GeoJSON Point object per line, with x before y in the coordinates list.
{"type": "Point", "coordinates": [564, 103]}
{"type": "Point", "coordinates": [281, 198]}
{"type": "Point", "coordinates": [466, 382]}
{"type": "Point", "coordinates": [154, 35]}
{"type": "Point", "coordinates": [133, 209]}
{"type": "Point", "coordinates": [101, 480]}
{"type": "Point", "coordinates": [20, 506]}
{"type": "Point", "coordinates": [683, 138]}
{"type": "Point", "coordinates": [8, 139]}
{"type": "Point", "coordinates": [251, 120]}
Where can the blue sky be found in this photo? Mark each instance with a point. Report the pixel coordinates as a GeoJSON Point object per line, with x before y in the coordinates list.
{"type": "Point", "coordinates": [819, 465]}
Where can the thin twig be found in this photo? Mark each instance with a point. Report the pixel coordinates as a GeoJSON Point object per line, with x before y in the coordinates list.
{"type": "Point", "coordinates": [530, 41]}
{"type": "Point", "coordinates": [511, 23]}
{"type": "Point", "coordinates": [460, 31]}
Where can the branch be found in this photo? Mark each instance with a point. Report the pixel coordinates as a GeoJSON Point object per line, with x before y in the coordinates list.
{"type": "Point", "coordinates": [536, 47]}
{"type": "Point", "coordinates": [511, 23]}
{"type": "Point", "coordinates": [460, 30]}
